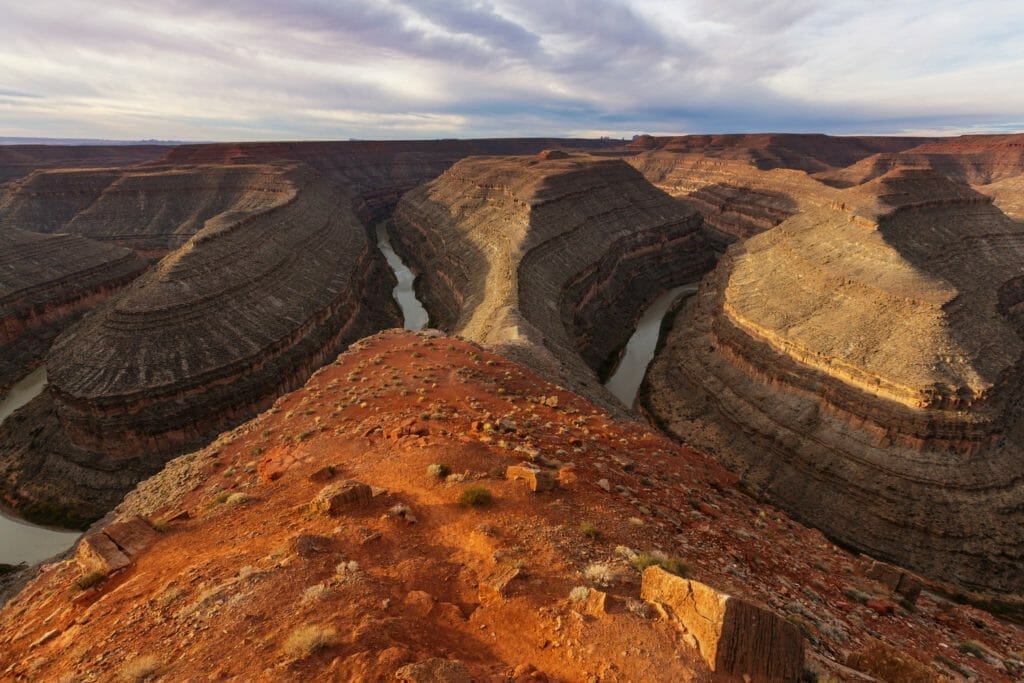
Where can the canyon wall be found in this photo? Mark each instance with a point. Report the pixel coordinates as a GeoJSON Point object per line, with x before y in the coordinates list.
{"type": "Point", "coordinates": [152, 210]}
{"type": "Point", "coordinates": [549, 258]}
{"type": "Point", "coordinates": [244, 311]}
{"type": "Point", "coordinates": [46, 282]}
{"type": "Point", "coordinates": [859, 364]}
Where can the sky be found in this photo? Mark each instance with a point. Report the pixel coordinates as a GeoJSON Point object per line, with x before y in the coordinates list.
{"type": "Point", "coordinates": [207, 70]}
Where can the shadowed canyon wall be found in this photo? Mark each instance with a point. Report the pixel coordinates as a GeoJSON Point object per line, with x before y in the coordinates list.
{"type": "Point", "coordinates": [244, 311]}
{"type": "Point", "coordinates": [550, 258]}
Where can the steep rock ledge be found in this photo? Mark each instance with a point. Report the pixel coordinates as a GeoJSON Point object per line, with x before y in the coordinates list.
{"type": "Point", "coordinates": [549, 259]}
{"type": "Point", "coordinates": [243, 312]}
{"type": "Point", "coordinates": [861, 368]}
{"type": "Point", "coordinates": [47, 282]}
{"type": "Point", "coordinates": [151, 209]}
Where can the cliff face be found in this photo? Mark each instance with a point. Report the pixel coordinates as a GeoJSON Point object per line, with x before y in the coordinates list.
{"type": "Point", "coordinates": [378, 171]}
{"type": "Point", "coordinates": [46, 282]}
{"type": "Point", "coordinates": [859, 364]}
{"type": "Point", "coordinates": [244, 311]}
{"type": "Point", "coordinates": [400, 581]}
{"type": "Point", "coordinates": [551, 259]}
{"type": "Point", "coordinates": [151, 210]}
{"type": "Point", "coordinates": [17, 161]}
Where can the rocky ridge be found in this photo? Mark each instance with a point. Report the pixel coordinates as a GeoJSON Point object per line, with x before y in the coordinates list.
{"type": "Point", "coordinates": [249, 576]}
{"type": "Point", "coordinates": [548, 258]}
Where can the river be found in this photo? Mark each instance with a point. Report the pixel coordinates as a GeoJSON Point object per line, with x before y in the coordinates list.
{"type": "Point", "coordinates": [414, 314]}
{"type": "Point", "coordinates": [21, 541]}
{"type": "Point", "coordinates": [629, 373]}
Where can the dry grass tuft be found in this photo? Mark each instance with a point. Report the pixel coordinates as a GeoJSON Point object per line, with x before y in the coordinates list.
{"type": "Point", "coordinates": [308, 639]}
{"type": "Point", "coordinates": [139, 669]}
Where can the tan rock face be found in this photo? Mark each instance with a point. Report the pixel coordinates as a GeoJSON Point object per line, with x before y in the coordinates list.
{"type": "Point", "coordinates": [551, 259]}
{"type": "Point", "coordinates": [859, 364]}
{"type": "Point", "coordinates": [734, 636]}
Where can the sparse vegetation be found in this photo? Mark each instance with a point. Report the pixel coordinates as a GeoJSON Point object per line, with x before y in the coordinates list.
{"type": "Point", "coordinates": [856, 595]}
{"type": "Point", "coordinates": [438, 470]}
{"type": "Point", "coordinates": [475, 496]}
{"type": "Point", "coordinates": [138, 669]}
{"type": "Point", "coordinates": [239, 498]}
{"type": "Point", "coordinates": [973, 648]}
{"type": "Point", "coordinates": [306, 640]}
{"type": "Point", "coordinates": [303, 435]}
{"type": "Point", "coordinates": [89, 580]}
{"type": "Point", "coordinates": [579, 594]}
{"type": "Point", "coordinates": [671, 564]}
{"type": "Point", "coordinates": [590, 530]}
{"type": "Point", "coordinates": [601, 573]}
{"type": "Point", "coordinates": [314, 593]}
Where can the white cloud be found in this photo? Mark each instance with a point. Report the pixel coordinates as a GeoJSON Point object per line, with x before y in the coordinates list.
{"type": "Point", "coordinates": [258, 69]}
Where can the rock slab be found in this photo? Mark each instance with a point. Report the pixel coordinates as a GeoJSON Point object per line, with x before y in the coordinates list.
{"type": "Point", "coordinates": [735, 636]}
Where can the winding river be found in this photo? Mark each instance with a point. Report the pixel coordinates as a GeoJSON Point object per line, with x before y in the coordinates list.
{"type": "Point", "coordinates": [21, 541]}
{"type": "Point", "coordinates": [629, 373]}
{"type": "Point", "coordinates": [412, 310]}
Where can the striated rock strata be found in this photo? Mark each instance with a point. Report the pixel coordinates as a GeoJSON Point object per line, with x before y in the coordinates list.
{"type": "Point", "coordinates": [244, 311]}
{"type": "Point", "coordinates": [152, 210]}
{"type": "Point", "coordinates": [550, 259]}
{"type": "Point", "coordinates": [46, 282]}
{"type": "Point", "coordinates": [860, 364]}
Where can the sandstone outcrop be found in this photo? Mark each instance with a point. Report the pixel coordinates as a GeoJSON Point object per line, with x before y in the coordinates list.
{"type": "Point", "coordinates": [735, 637]}
{"type": "Point", "coordinates": [46, 282]}
{"type": "Point", "coordinates": [503, 589]}
{"type": "Point", "coordinates": [244, 311]}
{"type": "Point", "coordinates": [859, 364]}
{"type": "Point", "coordinates": [551, 260]}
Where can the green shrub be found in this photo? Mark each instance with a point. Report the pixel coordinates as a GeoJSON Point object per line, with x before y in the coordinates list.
{"type": "Point", "coordinates": [672, 565]}
{"type": "Point", "coordinates": [591, 531]}
{"type": "Point", "coordinates": [89, 580]}
{"type": "Point", "coordinates": [475, 496]}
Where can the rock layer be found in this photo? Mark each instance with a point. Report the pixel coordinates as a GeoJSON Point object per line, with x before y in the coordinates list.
{"type": "Point", "coordinates": [859, 364]}
{"type": "Point", "coordinates": [152, 210]}
{"type": "Point", "coordinates": [46, 282]}
{"type": "Point", "coordinates": [244, 311]}
{"type": "Point", "coordinates": [550, 259]}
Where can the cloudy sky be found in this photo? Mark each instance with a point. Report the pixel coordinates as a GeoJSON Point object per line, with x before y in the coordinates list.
{"type": "Point", "coordinates": [335, 69]}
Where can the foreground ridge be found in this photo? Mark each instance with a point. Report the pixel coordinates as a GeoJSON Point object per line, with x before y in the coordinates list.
{"type": "Point", "coordinates": [364, 527]}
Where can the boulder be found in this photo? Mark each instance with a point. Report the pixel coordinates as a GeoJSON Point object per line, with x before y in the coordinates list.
{"type": "Point", "coordinates": [340, 496]}
{"type": "Point", "coordinates": [97, 553]}
{"type": "Point", "coordinates": [734, 636]}
{"type": "Point", "coordinates": [900, 582]}
{"type": "Point", "coordinates": [538, 479]}
{"type": "Point", "coordinates": [114, 546]}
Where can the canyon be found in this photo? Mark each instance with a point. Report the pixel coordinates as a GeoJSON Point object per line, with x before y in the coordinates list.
{"type": "Point", "coordinates": [834, 405]}
{"type": "Point", "coordinates": [857, 364]}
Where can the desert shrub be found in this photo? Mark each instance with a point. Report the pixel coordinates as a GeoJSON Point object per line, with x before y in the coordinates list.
{"type": "Point", "coordinates": [601, 573]}
{"type": "Point", "coordinates": [89, 580]}
{"type": "Point", "coordinates": [239, 498]}
{"type": "Point", "coordinates": [973, 648]}
{"type": "Point", "coordinates": [314, 593]}
{"type": "Point", "coordinates": [475, 496]}
{"type": "Point", "coordinates": [591, 531]}
{"type": "Point", "coordinates": [138, 669]}
{"type": "Point", "coordinates": [438, 470]}
{"type": "Point", "coordinates": [308, 639]}
{"type": "Point", "coordinates": [672, 565]}
{"type": "Point", "coordinates": [856, 595]}
{"type": "Point", "coordinates": [579, 594]}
